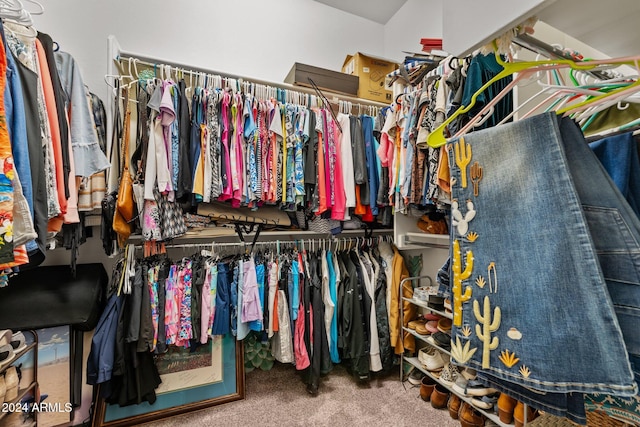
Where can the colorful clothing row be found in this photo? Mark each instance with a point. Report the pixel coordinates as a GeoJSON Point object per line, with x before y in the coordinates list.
{"type": "Point", "coordinates": [44, 146]}
{"type": "Point", "coordinates": [225, 146]}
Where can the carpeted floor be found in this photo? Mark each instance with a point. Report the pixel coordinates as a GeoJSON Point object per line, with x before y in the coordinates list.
{"type": "Point", "coordinates": [279, 398]}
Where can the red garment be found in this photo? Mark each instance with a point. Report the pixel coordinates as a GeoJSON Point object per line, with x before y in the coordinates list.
{"type": "Point", "coordinates": [340, 198]}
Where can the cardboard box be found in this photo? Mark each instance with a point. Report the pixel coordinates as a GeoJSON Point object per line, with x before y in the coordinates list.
{"type": "Point", "coordinates": [333, 81]}
{"type": "Point", "coordinates": [372, 71]}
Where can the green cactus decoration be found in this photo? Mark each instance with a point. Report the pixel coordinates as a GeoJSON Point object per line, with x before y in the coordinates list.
{"type": "Point", "coordinates": [463, 158]}
{"type": "Point", "coordinates": [458, 277]}
{"type": "Point", "coordinates": [488, 326]}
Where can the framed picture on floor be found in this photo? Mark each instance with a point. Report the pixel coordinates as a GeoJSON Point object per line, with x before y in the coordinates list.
{"type": "Point", "coordinates": [54, 375]}
{"type": "Point", "coordinates": [191, 380]}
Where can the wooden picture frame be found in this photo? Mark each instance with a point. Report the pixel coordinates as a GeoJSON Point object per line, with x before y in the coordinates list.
{"type": "Point", "coordinates": [170, 403]}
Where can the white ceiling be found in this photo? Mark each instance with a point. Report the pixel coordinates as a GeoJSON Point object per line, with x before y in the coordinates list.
{"type": "Point", "coordinates": [610, 26]}
{"type": "Point", "coordinates": [375, 10]}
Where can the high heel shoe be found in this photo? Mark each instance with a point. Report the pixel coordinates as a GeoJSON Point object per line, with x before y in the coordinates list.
{"type": "Point", "coordinates": [518, 414]}
{"type": "Point", "coordinates": [506, 405]}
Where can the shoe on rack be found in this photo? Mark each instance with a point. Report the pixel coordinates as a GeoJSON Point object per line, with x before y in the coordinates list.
{"type": "Point", "coordinates": [460, 386]}
{"type": "Point", "coordinates": [421, 329]}
{"type": "Point", "coordinates": [6, 355]}
{"type": "Point", "coordinates": [485, 402]}
{"type": "Point", "coordinates": [469, 373]}
{"type": "Point", "coordinates": [415, 377]}
{"type": "Point", "coordinates": [439, 397]}
{"type": "Point", "coordinates": [433, 361]}
{"type": "Point", "coordinates": [11, 381]}
{"type": "Point", "coordinates": [477, 388]}
{"type": "Point", "coordinates": [444, 325]}
{"type": "Point", "coordinates": [469, 417]}
{"type": "Point", "coordinates": [440, 339]}
{"type": "Point", "coordinates": [447, 304]}
{"type": "Point", "coordinates": [506, 405]}
{"type": "Point", "coordinates": [519, 413]}
{"type": "Point", "coordinates": [414, 323]}
{"type": "Point", "coordinates": [432, 326]}
{"type": "Point", "coordinates": [5, 337]}
{"type": "Point", "coordinates": [18, 342]}
{"type": "Point", "coordinates": [432, 316]}
{"type": "Point", "coordinates": [449, 374]}
{"type": "Point", "coordinates": [454, 405]}
{"type": "Point", "coordinates": [426, 388]}
{"type": "Point", "coordinates": [423, 353]}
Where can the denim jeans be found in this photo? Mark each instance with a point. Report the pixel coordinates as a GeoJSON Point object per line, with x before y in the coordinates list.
{"type": "Point", "coordinates": [537, 228]}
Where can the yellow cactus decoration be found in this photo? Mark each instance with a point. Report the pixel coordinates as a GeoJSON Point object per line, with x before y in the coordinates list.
{"type": "Point", "coordinates": [462, 353]}
{"type": "Point", "coordinates": [472, 236]}
{"type": "Point", "coordinates": [488, 326]}
{"type": "Point", "coordinates": [466, 331]}
{"type": "Point", "coordinates": [480, 282]}
{"type": "Point", "coordinates": [524, 371]}
{"type": "Point", "coordinates": [509, 359]}
{"type": "Point", "coordinates": [463, 158]}
{"type": "Point", "coordinates": [458, 276]}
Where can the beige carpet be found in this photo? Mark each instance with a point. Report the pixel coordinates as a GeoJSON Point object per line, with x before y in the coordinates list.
{"type": "Point", "coordinates": [279, 398]}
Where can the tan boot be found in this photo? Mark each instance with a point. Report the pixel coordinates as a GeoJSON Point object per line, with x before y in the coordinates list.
{"type": "Point", "coordinates": [518, 414]}
{"type": "Point", "coordinates": [426, 388]}
{"type": "Point", "coordinates": [506, 405]}
{"type": "Point", "coordinates": [469, 417]}
{"type": "Point", "coordinates": [454, 406]}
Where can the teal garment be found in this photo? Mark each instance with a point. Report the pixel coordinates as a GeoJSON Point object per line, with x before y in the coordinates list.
{"type": "Point", "coordinates": [333, 293]}
{"type": "Point", "coordinates": [294, 292]}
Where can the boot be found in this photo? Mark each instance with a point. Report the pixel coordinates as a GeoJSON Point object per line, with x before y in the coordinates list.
{"type": "Point", "coordinates": [506, 405]}
{"type": "Point", "coordinates": [454, 406]}
{"type": "Point", "coordinates": [439, 397]}
{"type": "Point", "coordinates": [518, 414]}
{"type": "Point", "coordinates": [469, 417]}
{"type": "Point", "coordinates": [426, 388]}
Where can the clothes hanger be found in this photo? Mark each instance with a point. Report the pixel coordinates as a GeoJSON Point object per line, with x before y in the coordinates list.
{"type": "Point", "coordinates": [437, 139]}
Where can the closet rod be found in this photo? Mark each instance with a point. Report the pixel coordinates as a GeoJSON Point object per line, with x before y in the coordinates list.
{"type": "Point", "coordinates": [157, 62]}
{"type": "Point", "coordinates": [286, 243]}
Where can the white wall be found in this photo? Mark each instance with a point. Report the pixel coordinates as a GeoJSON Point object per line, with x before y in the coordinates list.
{"type": "Point", "coordinates": [253, 38]}
{"type": "Point", "coordinates": [416, 19]}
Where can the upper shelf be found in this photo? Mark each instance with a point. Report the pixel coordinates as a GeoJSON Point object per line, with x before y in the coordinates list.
{"type": "Point", "coordinates": [610, 27]}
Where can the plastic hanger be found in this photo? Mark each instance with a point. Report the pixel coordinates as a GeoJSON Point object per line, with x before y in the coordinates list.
{"type": "Point", "coordinates": [437, 138]}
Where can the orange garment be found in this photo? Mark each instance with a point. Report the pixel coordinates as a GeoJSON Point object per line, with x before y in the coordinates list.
{"type": "Point", "coordinates": [444, 174]}
{"type": "Point", "coordinates": [55, 224]}
{"type": "Point", "coordinates": [20, 257]}
{"type": "Point", "coordinates": [360, 209]}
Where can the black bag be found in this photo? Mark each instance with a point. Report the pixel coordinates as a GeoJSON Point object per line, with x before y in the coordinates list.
{"type": "Point", "coordinates": [49, 296]}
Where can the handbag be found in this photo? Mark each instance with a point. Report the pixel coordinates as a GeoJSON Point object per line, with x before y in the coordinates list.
{"type": "Point", "coordinates": [125, 210]}
{"type": "Point", "coordinates": [126, 202]}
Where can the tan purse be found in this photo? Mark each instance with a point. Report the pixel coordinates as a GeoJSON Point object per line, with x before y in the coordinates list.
{"type": "Point", "coordinates": [125, 204]}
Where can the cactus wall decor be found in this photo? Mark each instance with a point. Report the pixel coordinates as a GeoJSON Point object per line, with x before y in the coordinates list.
{"type": "Point", "coordinates": [459, 275]}
{"type": "Point", "coordinates": [488, 325]}
{"type": "Point", "coordinates": [463, 157]}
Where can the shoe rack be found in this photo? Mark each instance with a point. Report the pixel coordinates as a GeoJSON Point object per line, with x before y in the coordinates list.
{"type": "Point", "coordinates": [27, 394]}
{"type": "Point", "coordinates": [416, 363]}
